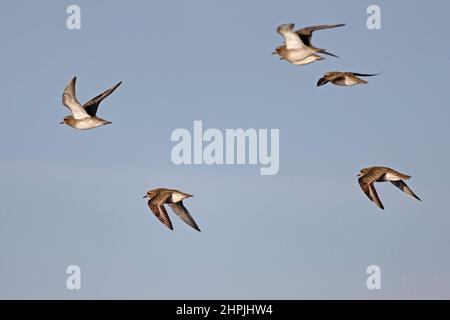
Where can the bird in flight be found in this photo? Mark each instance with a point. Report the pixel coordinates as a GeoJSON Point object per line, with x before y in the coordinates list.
{"type": "Point", "coordinates": [368, 176]}
{"type": "Point", "coordinates": [344, 78]}
{"type": "Point", "coordinates": [297, 47]}
{"type": "Point", "coordinates": [83, 116]}
{"type": "Point", "coordinates": [174, 199]}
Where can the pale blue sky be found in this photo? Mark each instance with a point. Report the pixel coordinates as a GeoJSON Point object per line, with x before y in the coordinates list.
{"type": "Point", "coordinates": [308, 232]}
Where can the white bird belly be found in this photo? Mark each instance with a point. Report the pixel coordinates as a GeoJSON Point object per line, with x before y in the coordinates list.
{"type": "Point", "coordinates": [87, 123]}
{"type": "Point", "coordinates": [307, 60]}
{"type": "Point", "coordinates": [298, 55]}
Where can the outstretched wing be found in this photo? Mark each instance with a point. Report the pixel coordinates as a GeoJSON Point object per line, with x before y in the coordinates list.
{"type": "Point", "coordinates": [92, 105]}
{"type": "Point", "coordinates": [306, 33]}
{"type": "Point", "coordinates": [156, 204]}
{"type": "Point", "coordinates": [69, 99]}
{"type": "Point", "coordinates": [291, 39]}
{"type": "Point", "coordinates": [371, 193]}
{"type": "Point", "coordinates": [160, 212]}
{"type": "Point", "coordinates": [322, 81]}
{"type": "Point", "coordinates": [184, 214]}
{"type": "Point", "coordinates": [404, 187]}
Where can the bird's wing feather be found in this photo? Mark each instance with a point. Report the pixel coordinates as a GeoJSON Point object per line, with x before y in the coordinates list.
{"type": "Point", "coordinates": [156, 204]}
{"type": "Point", "coordinates": [336, 76]}
{"type": "Point", "coordinates": [328, 53]}
{"type": "Point", "coordinates": [404, 187]}
{"type": "Point", "coordinates": [92, 105]}
{"type": "Point", "coordinates": [364, 74]}
{"type": "Point", "coordinates": [365, 188]}
{"type": "Point", "coordinates": [370, 191]}
{"type": "Point", "coordinates": [306, 33]}
{"type": "Point", "coordinates": [69, 99]}
{"type": "Point", "coordinates": [184, 214]}
{"type": "Point", "coordinates": [374, 196]}
{"type": "Point", "coordinates": [160, 212]}
{"type": "Point", "coordinates": [292, 39]}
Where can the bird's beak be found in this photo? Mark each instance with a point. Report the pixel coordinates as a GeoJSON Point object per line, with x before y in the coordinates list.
{"type": "Point", "coordinates": [144, 196]}
{"type": "Point", "coordinates": [359, 174]}
{"type": "Point", "coordinates": [274, 52]}
{"type": "Point", "coordinates": [62, 122]}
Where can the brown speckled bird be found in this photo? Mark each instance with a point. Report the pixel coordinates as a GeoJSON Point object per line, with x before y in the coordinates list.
{"type": "Point", "coordinates": [174, 198]}
{"type": "Point", "coordinates": [368, 176]}
{"type": "Point", "coordinates": [346, 79]}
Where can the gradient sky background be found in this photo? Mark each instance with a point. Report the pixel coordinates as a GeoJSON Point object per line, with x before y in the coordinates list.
{"type": "Point", "coordinates": [75, 197]}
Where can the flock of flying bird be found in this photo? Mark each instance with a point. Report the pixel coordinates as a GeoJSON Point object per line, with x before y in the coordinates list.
{"type": "Point", "coordinates": [296, 49]}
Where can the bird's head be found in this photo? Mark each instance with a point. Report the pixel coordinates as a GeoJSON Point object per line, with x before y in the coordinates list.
{"type": "Point", "coordinates": [150, 194]}
{"type": "Point", "coordinates": [362, 172]}
{"type": "Point", "coordinates": [279, 50]}
{"type": "Point", "coordinates": [65, 120]}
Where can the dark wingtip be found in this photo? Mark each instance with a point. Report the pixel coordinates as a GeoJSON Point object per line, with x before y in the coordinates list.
{"type": "Point", "coordinates": [196, 227]}
{"type": "Point", "coordinates": [328, 53]}
{"type": "Point", "coordinates": [321, 82]}
{"type": "Point", "coordinates": [365, 74]}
